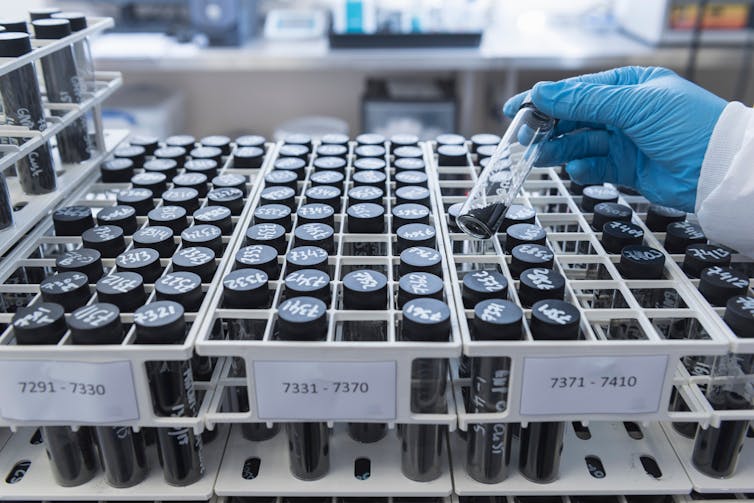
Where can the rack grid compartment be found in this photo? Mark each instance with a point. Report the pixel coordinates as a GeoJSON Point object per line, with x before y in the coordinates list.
{"type": "Point", "coordinates": [334, 348]}
{"type": "Point", "coordinates": [347, 475]}
{"type": "Point", "coordinates": [622, 456]}
{"type": "Point", "coordinates": [24, 268]}
{"type": "Point", "coordinates": [741, 481]}
{"type": "Point", "coordinates": [589, 272]}
{"type": "Point", "coordinates": [37, 483]}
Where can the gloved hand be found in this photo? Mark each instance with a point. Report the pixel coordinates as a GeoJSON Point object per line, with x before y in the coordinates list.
{"type": "Point", "coordinates": [646, 128]}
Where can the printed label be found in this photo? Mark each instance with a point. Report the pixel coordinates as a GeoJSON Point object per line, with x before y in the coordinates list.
{"type": "Point", "coordinates": [77, 392]}
{"type": "Point", "coordinates": [319, 391]}
{"type": "Point", "coordinates": [592, 385]}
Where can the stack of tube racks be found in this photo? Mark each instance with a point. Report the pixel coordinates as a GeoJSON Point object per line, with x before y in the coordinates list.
{"type": "Point", "coordinates": [610, 452]}
{"type": "Point", "coordinates": [28, 210]}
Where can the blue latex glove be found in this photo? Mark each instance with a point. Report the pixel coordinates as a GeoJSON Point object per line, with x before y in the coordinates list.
{"type": "Point", "coordinates": [646, 128]}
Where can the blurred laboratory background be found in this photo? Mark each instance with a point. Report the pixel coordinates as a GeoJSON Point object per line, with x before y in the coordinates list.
{"type": "Point", "coordinates": [391, 66]}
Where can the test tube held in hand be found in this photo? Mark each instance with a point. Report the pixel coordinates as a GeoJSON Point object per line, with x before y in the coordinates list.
{"type": "Point", "coordinates": [483, 211]}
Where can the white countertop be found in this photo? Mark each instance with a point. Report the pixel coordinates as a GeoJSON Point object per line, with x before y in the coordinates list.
{"type": "Point", "coordinates": [503, 47]}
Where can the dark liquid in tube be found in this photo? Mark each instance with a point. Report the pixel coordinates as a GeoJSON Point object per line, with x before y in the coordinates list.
{"type": "Point", "coordinates": [483, 223]}
{"type": "Point", "coordinates": [488, 444]}
{"type": "Point", "coordinates": [72, 454]}
{"type": "Point", "coordinates": [542, 443]}
{"type": "Point", "coordinates": [172, 387]}
{"type": "Point", "coordinates": [425, 319]}
{"type": "Point", "coordinates": [302, 319]}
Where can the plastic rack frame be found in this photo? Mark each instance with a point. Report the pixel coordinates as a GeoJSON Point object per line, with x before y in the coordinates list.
{"type": "Point", "coordinates": [28, 210]}
{"type": "Point", "coordinates": [38, 482]}
{"type": "Point", "coordinates": [385, 475]}
{"type": "Point", "coordinates": [568, 233]}
{"type": "Point", "coordinates": [37, 253]}
{"type": "Point", "coordinates": [274, 479]}
{"type": "Point", "coordinates": [742, 481]}
{"type": "Point", "coordinates": [333, 349]}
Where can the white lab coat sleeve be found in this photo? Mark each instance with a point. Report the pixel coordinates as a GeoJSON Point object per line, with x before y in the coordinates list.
{"type": "Point", "coordinates": [725, 194]}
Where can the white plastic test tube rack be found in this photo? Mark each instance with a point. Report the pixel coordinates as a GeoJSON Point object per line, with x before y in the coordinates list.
{"type": "Point", "coordinates": [38, 251]}
{"type": "Point", "coordinates": [385, 456]}
{"type": "Point", "coordinates": [717, 498]}
{"type": "Point", "coordinates": [568, 228]}
{"type": "Point", "coordinates": [742, 480]}
{"type": "Point", "coordinates": [324, 499]}
{"type": "Point", "coordinates": [546, 191]}
{"type": "Point", "coordinates": [30, 209]}
{"type": "Point", "coordinates": [333, 348]}
{"type": "Point", "coordinates": [625, 459]}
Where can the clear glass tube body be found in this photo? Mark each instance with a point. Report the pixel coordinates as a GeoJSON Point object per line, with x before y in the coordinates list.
{"type": "Point", "coordinates": [499, 183]}
{"type": "Point", "coordinates": [22, 105]}
{"type": "Point", "coordinates": [82, 56]}
{"type": "Point", "coordinates": [64, 85]}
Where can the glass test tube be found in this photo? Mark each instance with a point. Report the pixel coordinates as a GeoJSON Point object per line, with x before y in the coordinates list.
{"type": "Point", "coordinates": [541, 444]}
{"type": "Point", "coordinates": [499, 183]}
{"type": "Point", "coordinates": [22, 104]}
{"type": "Point", "coordinates": [305, 319]}
{"type": "Point", "coordinates": [637, 262]}
{"type": "Point", "coordinates": [365, 290]}
{"type": "Point", "coordinates": [64, 85]}
{"type": "Point", "coordinates": [488, 445]}
{"type": "Point", "coordinates": [247, 289]}
{"type": "Point", "coordinates": [478, 286]}
{"type": "Point", "coordinates": [366, 218]}
{"type": "Point", "coordinates": [72, 454]}
{"type": "Point", "coordinates": [428, 320]}
{"type": "Point", "coordinates": [122, 450]}
{"type": "Point", "coordinates": [717, 449]}
{"type": "Point", "coordinates": [172, 387]}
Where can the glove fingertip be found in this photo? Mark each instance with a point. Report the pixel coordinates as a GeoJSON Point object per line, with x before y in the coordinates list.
{"type": "Point", "coordinates": [512, 105]}
{"type": "Point", "coordinates": [508, 109]}
{"type": "Point", "coordinates": [574, 172]}
{"type": "Point", "coordinates": [543, 95]}
{"type": "Point", "coordinates": [582, 172]}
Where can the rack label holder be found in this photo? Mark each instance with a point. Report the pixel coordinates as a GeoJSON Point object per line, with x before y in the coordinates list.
{"type": "Point", "coordinates": [559, 385]}
{"type": "Point", "coordinates": [67, 391]}
{"type": "Point", "coordinates": [325, 390]}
